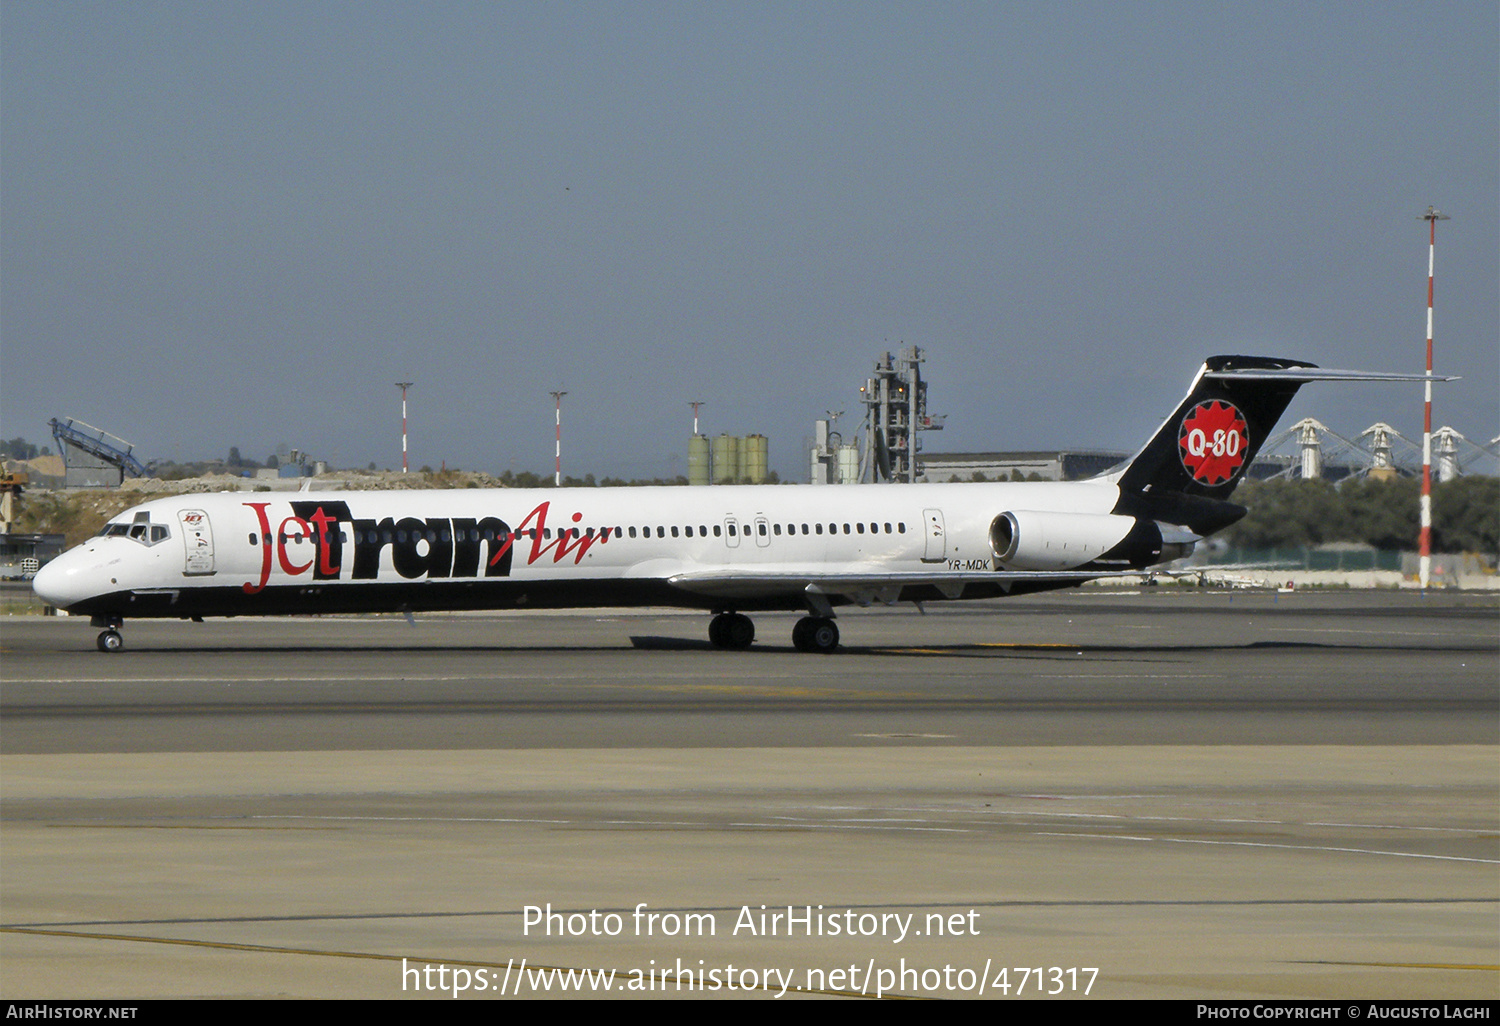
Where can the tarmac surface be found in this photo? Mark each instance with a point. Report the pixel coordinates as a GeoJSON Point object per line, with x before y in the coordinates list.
{"type": "Point", "coordinates": [1157, 794]}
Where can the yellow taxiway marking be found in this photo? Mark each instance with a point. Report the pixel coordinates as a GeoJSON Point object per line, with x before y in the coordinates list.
{"type": "Point", "coordinates": [1407, 965]}
{"type": "Point", "coordinates": [494, 968]}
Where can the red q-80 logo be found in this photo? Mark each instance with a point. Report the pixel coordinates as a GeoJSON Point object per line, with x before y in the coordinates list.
{"type": "Point", "coordinates": [1213, 442]}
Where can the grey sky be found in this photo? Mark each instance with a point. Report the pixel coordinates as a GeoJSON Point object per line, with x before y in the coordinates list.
{"type": "Point", "coordinates": [239, 224]}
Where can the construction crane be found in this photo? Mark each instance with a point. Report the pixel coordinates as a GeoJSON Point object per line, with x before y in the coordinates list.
{"type": "Point", "coordinates": [12, 484]}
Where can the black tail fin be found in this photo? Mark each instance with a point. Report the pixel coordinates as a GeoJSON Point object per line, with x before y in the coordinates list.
{"type": "Point", "coordinates": [1210, 440]}
{"type": "Point", "coordinates": [1185, 474]}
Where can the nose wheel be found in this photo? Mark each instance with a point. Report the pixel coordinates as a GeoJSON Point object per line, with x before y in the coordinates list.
{"type": "Point", "coordinates": [110, 639]}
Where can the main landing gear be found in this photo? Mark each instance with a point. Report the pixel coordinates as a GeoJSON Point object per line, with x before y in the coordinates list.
{"type": "Point", "coordinates": [110, 639]}
{"type": "Point", "coordinates": [816, 634]}
{"type": "Point", "coordinates": [737, 631]}
{"type": "Point", "coordinates": [731, 630]}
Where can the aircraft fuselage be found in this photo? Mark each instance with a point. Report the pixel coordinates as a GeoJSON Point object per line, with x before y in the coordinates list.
{"type": "Point", "coordinates": [236, 554]}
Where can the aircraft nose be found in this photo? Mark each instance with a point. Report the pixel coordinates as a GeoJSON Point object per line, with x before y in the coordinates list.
{"type": "Point", "coordinates": [66, 580]}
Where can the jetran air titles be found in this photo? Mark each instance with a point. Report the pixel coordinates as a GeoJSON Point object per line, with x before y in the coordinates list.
{"type": "Point", "coordinates": [426, 547]}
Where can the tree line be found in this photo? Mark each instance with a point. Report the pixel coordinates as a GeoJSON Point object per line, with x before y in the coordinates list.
{"type": "Point", "coordinates": [20, 449]}
{"type": "Point", "coordinates": [1383, 514]}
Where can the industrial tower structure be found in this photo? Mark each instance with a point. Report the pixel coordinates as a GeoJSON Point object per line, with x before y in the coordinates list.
{"type": "Point", "coordinates": [896, 409]}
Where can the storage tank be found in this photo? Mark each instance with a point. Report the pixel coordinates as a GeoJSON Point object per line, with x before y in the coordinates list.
{"type": "Point", "coordinates": [726, 457]}
{"type": "Point", "coordinates": [848, 464]}
{"type": "Point", "coordinates": [755, 452]}
{"type": "Point", "coordinates": [698, 460]}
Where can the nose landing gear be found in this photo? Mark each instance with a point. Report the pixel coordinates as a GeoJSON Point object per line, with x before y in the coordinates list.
{"type": "Point", "coordinates": [110, 639]}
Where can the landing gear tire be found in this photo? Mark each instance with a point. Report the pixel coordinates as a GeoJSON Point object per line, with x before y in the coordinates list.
{"type": "Point", "coordinates": [815, 634]}
{"type": "Point", "coordinates": [110, 641]}
{"type": "Point", "coordinates": [731, 630]}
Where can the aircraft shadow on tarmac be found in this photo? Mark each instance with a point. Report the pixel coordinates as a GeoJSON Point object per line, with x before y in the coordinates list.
{"type": "Point", "coordinates": [1011, 650]}
{"type": "Point", "coordinates": [898, 650]}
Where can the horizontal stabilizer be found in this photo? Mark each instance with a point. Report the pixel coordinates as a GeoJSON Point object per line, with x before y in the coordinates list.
{"type": "Point", "coordinates": [1305, 374]}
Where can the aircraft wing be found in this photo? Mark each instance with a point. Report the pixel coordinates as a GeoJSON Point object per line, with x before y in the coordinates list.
{"type": "Point", "coordinates": [865, 586]}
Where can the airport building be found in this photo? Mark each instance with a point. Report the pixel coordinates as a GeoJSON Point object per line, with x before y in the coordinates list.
{"type": "Point", "coordinates": [1047, 465]}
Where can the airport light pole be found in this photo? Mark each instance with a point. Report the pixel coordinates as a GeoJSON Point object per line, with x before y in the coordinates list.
{"type": "Point", "coordinates": [403, 385]}
{"type": "Point", "coordinates": [1424, 571]}
{"type": "Point", "coordinates": [557, 473]}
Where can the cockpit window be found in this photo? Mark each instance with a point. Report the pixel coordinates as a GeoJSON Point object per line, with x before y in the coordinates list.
{"type": "Point", "coordinates": [146, 533]}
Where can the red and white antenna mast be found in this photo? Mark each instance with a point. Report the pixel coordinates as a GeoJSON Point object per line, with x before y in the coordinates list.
{"type": "Point", "coordinates": [696, 405]}
{"type": "Point", "coordinates": [1432, 217]}
{"type": "Point", "coordinates": [403, 385]}
{"type": "Point", "coordinates": [557, 473]}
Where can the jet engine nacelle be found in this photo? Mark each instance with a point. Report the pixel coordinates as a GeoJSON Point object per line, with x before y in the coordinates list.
{"type": "Point", "coordinates": [1035, 540]}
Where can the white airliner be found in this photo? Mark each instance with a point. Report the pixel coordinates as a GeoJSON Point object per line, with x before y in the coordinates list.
{"type": "Point", "coordinates": [723, 549]}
